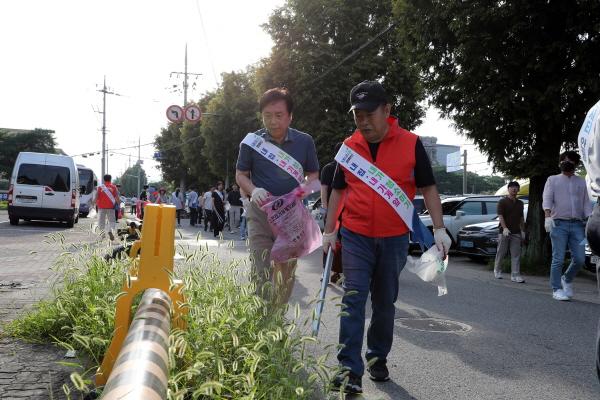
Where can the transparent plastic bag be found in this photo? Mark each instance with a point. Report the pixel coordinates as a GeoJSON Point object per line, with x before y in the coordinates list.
{"type": "Point", "coordinates": [430, 268]}
{"type": "Point", "coordinates": [297, 234]}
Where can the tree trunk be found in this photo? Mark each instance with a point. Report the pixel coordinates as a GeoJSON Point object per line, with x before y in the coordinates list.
{"type": "Point", "coordinates": [538, 250]}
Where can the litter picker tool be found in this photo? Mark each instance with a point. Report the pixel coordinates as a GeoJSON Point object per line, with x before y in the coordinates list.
{"type": "Point", "coordinates": [321, 302]}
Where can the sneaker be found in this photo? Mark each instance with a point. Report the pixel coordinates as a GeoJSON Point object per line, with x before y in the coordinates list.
{"type": "Point", "coordinates": [348, 382]}
{"type": "Point", "coordinates": [378, 372]}
{"type": "Point", "coordinates": [111, 236]}
{"type": "Point", "coordinates": [559, 294]}
{"type": "Point", "coordinates": [567, 287]}
{"type": "Point", "coordinates": [498, 274]}
{"type": "Point", "coordinates": [517, 278]}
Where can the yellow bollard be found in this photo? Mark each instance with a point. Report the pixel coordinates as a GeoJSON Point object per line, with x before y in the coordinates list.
{"type": "Point", "coordinates": [154, 270]}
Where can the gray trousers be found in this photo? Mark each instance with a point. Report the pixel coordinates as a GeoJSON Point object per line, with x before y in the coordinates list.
{"type": "Point", "coordinates": [512, 243]}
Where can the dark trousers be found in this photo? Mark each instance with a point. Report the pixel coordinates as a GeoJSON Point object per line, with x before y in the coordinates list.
{"type": "Point", "coordinates": [207, 218]}
{"type": "Point", "coordinates": [178, 214]}
{"type": "Point", "coordinates": [218, 221]}
{"type": "Point", "coordinates": [193, 216]}
{"type": "Point", "coordinates": [370, 265]}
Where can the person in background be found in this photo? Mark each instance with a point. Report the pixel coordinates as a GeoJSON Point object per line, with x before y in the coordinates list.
{"type": "Point", "coordinates": [566, 207]}
{"type": "Point", "coordinates": [133, 204]}
{"type": "Point", "coordinates": [327, 174]}
{"type": "Point", "coordinates": [245, 200]}
{"type": "Point", "coordinates": [218, 209]}
{"type": "Point", "coordinates": [118, 205]}
{"type": "Point", "coordinates": [192, 202]}
{"type": "Point", "coordinates": [375, 235]}
{"type": "Point", "coordinates": [163, 197]}
{"type": "Point", "coordinates": [235, 203]}
{"type": "Point", "coordinates": [207, 205]}
{"type": "Point", "coordinates": [107, 196]}
{"type": "Point", "coordinates": [177, 200]}
{"type": "Point", "coordinates": [512, 233]}
{"type": "Point", "coordinates": [143, 200]}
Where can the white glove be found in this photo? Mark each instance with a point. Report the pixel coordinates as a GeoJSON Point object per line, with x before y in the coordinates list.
{"type": "Point", "coordinates": [548, 224]}
{"type": "Point", "coordinates": [505, 232]}
{"type": "Point", "coordinates": [442, 240]}
{"type": "Point", "coordinates": [329, 240]}
{"type": "Point", "coordinates": [259, 195]}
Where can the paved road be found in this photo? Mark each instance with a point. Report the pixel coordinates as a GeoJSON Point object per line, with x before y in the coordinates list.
{"type": "Point", "coordinates": [518, 343]}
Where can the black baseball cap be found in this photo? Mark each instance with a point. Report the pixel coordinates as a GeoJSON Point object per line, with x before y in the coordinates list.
{"type": "Point", "coordinates": [367, 95]}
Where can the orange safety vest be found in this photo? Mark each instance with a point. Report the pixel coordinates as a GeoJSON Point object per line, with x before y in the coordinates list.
{"type": "Point", "coordinates": [365, 211]}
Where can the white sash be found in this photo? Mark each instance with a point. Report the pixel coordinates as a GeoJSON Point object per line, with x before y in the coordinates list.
{"type": "Point", "coordinates": [274, 154]}
{"type": "Point", "coordinates": [378, 181]}
{"type": "Point", "coordinates": [108, 194]}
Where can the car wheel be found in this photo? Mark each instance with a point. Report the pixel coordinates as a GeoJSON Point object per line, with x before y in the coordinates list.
{"type": "Point", "coordinates": [70, 222]}
{"type": "Point", "coordinates": [83, 215]}
{"type": "Point", "coordinates": [77, 219]}
{"type": "Point", "coordinates": [14, 220]}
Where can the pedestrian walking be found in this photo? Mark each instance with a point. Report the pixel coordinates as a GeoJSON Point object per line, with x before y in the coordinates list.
{"type": "Point", "coordinates": [133, 205]}
{"type": "Point", "coordinates": [567, 207]}
{"type": "Point", "coordinates": [107, 196]}
{"type": "Point", "coordinates": [235, 207]}
{"type": "Point", "coordinates": [257, 174]}
{"type": "Point", "coordinates": [162, 197]}
{"type": "Point", "coordinates": [192, 202]}
{"type": "Point", "coordinates": [207, 205]}
{"type": "Point", "coordinates": [379, 166]}
{"type": "Point", "coordinates": [218, 209]}
{"type": "Point", "coordinates": [512, 233]}
{"type": "Point", "coordinates": [177, 200]}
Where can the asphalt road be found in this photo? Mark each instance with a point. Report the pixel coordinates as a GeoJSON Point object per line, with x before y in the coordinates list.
{"type": "Point", "coordinates": [486, 339]}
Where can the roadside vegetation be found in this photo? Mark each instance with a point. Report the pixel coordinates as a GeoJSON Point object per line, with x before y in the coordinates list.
{"type": "Point", "coordinates": [236, 345]}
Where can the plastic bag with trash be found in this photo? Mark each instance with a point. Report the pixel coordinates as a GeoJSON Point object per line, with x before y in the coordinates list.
{"type": "Point", "coordinates": [431, 268]}
{"type": "Point", "coordinates": [297, 233]}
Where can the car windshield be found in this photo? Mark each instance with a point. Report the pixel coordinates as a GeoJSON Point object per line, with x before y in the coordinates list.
{"type": "Point", "coordinates": [447, 207]}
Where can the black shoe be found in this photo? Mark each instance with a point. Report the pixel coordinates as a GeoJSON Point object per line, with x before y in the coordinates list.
{"type": "Point", "coordinates": [335, 277]}
{"type": "Point", "coordinates": [348, 382]}
{"type": "Point", "coordinates": [378, 372]}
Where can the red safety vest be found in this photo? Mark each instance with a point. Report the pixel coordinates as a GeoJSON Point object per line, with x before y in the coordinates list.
{"type": "Point", "coordinates": [103, 201]}
{"type": "Point", "coordinates": [365, 211]}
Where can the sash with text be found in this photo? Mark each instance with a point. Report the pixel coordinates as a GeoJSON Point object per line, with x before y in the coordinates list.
{"type": "Point", "coordinates": [274, 154]}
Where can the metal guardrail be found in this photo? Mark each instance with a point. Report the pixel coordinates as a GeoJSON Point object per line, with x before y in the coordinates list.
{"type": "Point", "coordinates": [141, 370]}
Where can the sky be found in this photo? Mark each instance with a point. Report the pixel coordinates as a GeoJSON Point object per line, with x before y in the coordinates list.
{"type": "Point", "coordinates": [56, 54]}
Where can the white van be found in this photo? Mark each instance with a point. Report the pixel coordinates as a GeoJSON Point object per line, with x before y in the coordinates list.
{"type": "Point", "coordinates": [44, 186]}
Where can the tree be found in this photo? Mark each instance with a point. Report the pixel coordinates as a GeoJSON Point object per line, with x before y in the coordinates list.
{"type": "Point", "coordinates": [170, 146]}
{"type": "Point", "coordinates": [193, 152]}
{"type": "Point", "coordinates": [312, 39]}
{"type": "Point", "coordinates": [452, 182]}
{"type": "Point", "coordinates": [515, 76]}
{"type": "Point", "coordinates": [11, 144]}
{"type": "Point", "coordinates": [129, 180]}
{"type": "Point", "coordinates": [233, 113]}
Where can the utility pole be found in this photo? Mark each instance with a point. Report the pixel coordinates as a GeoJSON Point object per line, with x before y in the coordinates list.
{"type": "Point", "coordinates": [139, 189]}
{"type": "Point", "coordinates": [465, 171]}
{"type": "Point", "coordinates": [185, 89]}
{"type": "Point", "coordinates": [104, 92]}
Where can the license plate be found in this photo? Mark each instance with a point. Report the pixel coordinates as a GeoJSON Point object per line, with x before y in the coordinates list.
{"type": "Point", "coordinates": [466, 243]}
{"type": "Point", "coordinates": [595, 259]}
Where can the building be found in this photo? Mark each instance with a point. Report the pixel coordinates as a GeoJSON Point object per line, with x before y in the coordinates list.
{"type": "Point", "coordinates": [437, 152]}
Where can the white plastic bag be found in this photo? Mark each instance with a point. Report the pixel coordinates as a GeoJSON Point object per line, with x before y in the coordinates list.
{"type": "Point", "coordinates": [431, 268]}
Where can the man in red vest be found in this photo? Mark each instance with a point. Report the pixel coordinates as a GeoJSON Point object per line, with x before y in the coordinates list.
{"type": "Point", "coordinates": [107, 199]}
{"type": "Point", "coordinates": [389, 164]}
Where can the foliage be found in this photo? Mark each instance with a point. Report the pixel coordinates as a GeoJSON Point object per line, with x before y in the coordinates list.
{"type": "Point", "coordinates": [311, 38]}
{"type": "Point", "coordinates": [170, 146]}
{"type": "Point", "coordinates": [11, 144]}
{"type": "Point", "coordinates": [233, 113]}
{"type": "Point", "coordinates": [236, 346]}
{"type": "Point", "coordinates": [129, 180]}
{"type": "Point", "coordinates": [452, 182]}
{"type": "Point", "coordinates": [516, 77]}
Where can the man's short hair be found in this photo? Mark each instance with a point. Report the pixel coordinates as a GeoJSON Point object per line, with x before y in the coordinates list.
{"type": "Point", "coordinates": [277, 94]}
{"type": "Point", "coordinates": [513, 183]}
{"type": "Point", "coordinates": [107, 178]}
{"type": "Point", "coordinates": [571, 154]}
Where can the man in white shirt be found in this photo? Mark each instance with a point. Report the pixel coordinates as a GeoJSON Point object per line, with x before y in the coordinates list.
{"type": "Point", "coordinates": [566, 206]}
{"type": "Point", "coordinates": [207, 203]}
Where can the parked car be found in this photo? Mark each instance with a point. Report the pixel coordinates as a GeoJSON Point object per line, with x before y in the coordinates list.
{"type": "Point", "coordinates": [478, 241]}
{"type": "Point", "coordinates": [44, 187]}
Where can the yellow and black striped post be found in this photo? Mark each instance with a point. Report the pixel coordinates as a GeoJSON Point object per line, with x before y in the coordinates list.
{"type": "Point", "coordinates": [142, 367]}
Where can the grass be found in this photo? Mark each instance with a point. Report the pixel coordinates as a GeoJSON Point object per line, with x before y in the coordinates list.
{"type": "Point", "coordinates": [236, 345]}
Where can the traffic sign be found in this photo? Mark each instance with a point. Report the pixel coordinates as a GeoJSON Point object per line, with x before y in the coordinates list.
{"type": "Point", "coordinates": [175, 113]}
{"type": "Point", "coordinates": [192, 113]}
